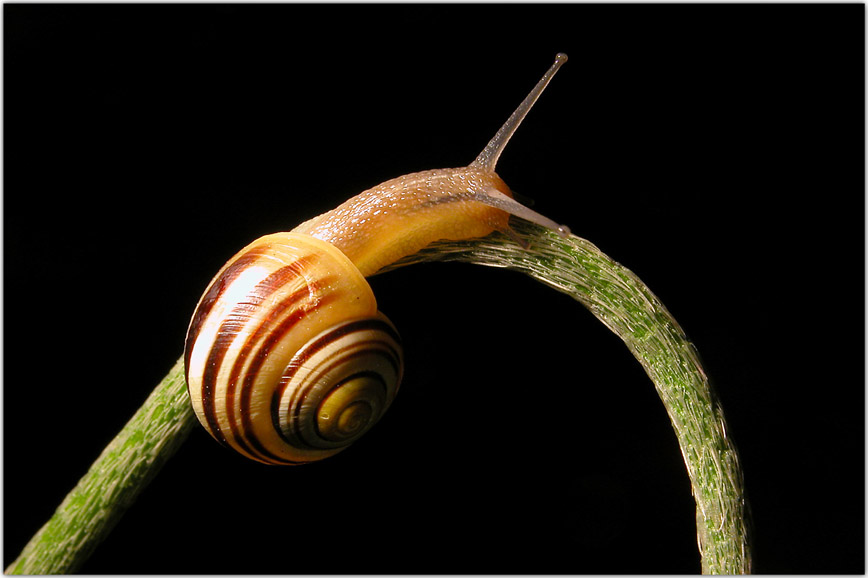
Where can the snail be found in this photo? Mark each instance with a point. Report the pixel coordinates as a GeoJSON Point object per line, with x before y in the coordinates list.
{"type": "Point", "coordinates": [287, 358]}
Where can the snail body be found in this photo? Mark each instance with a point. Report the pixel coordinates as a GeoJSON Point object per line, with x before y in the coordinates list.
{"type": "Point", "coordinates": [403, 215]}
{"type": "Point", "coordinates": [287, 358]}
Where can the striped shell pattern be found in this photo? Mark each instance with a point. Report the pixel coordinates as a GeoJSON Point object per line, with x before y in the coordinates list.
{"type": "Point", "coordinates": [287, 359]}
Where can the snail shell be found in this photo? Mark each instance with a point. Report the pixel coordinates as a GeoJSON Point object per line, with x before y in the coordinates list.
{"type": "Point", "coordinates": [288, 360]}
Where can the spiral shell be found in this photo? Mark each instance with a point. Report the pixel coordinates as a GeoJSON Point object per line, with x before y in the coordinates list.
{"type": "Point", "coordinates": [287, 358]}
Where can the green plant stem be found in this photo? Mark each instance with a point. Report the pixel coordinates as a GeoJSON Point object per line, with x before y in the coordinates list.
{"type": "Point", "coordinates": [625, 305]}
{"type": "Point", "coordinates": [571, 265]}
{"type": "Point", "coordinates": [111, 485]}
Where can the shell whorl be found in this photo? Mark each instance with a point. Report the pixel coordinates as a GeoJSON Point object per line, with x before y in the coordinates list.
{"type": "Point", "coordinates": [287, 359]}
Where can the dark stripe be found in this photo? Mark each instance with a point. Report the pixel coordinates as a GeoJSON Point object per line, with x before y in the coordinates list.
{"type": "Point", "coordinates": [296, 422]}
{"type": "Point", "coordinates": [226, 334]}
{"type": "Point", "coordinates": [391, 355]}
{"type": "Point", "coordinates": [360, 325]}
{"type": "Point", "coordinates": [370, 374]}
{"type": "Point", "coordinates": [238, 434]}
{"type": "Point", "coordinates": [215, 292]}
{"type": "Point", "coordinates": [266, 335]}
{"type": "Point", "coordinates": [317, 346]}
{"type": "Point", "coordinates": [255, 366]}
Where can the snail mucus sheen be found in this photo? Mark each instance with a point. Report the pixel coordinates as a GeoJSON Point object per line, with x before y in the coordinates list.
{"type": "Point", "coordinates": [287, 358]}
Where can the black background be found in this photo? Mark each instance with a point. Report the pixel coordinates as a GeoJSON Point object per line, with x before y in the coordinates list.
{"type": "Point", "coordinates": [717, 151]}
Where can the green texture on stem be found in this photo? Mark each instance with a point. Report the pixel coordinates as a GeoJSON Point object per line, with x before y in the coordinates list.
{"type": "Point", "coordinates": [571, 265]}
{"type": "Point", "coordinates": [111, 485]}
{"type": "Point", "coordinates": [625, 305]}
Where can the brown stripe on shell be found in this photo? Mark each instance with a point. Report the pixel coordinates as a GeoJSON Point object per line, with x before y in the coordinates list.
{"type": "Point", "coordinates": [215, 293]}
{"type": "Point", "coordinates": [250, 376]}
{"type": "Point", "coordinates": [297, 407]}
{"type": "Point", "coordinates": [359, 325]}
{"type": "Point", "coordinates": [369, 374]}
{"type": "Point", "coordinates": [263, 340]}
{"type": "Point", "coordinates": [222, 341]}
{"type": "Point", "coordinates": [265, 329]}
{"type": "Point", "coordinates": [226, 334]}
{"type": "Point", "coordinates": [315, 347]}
{"type": "Point", "coordinates": [393, 357]}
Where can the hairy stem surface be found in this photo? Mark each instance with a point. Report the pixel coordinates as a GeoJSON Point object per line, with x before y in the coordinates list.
{"type": "Point", "coordinates": [625, 305]}
{"type": "Point", "coordinates": [111, 485]}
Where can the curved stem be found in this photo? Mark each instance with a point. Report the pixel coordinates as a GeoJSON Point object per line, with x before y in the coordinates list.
{"type": "Point", "coordinates": [625, 305]}
{"type": "Point", "coordinates": [571, 265]}
{"type": "Point", "coordinates": [111, 485]}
